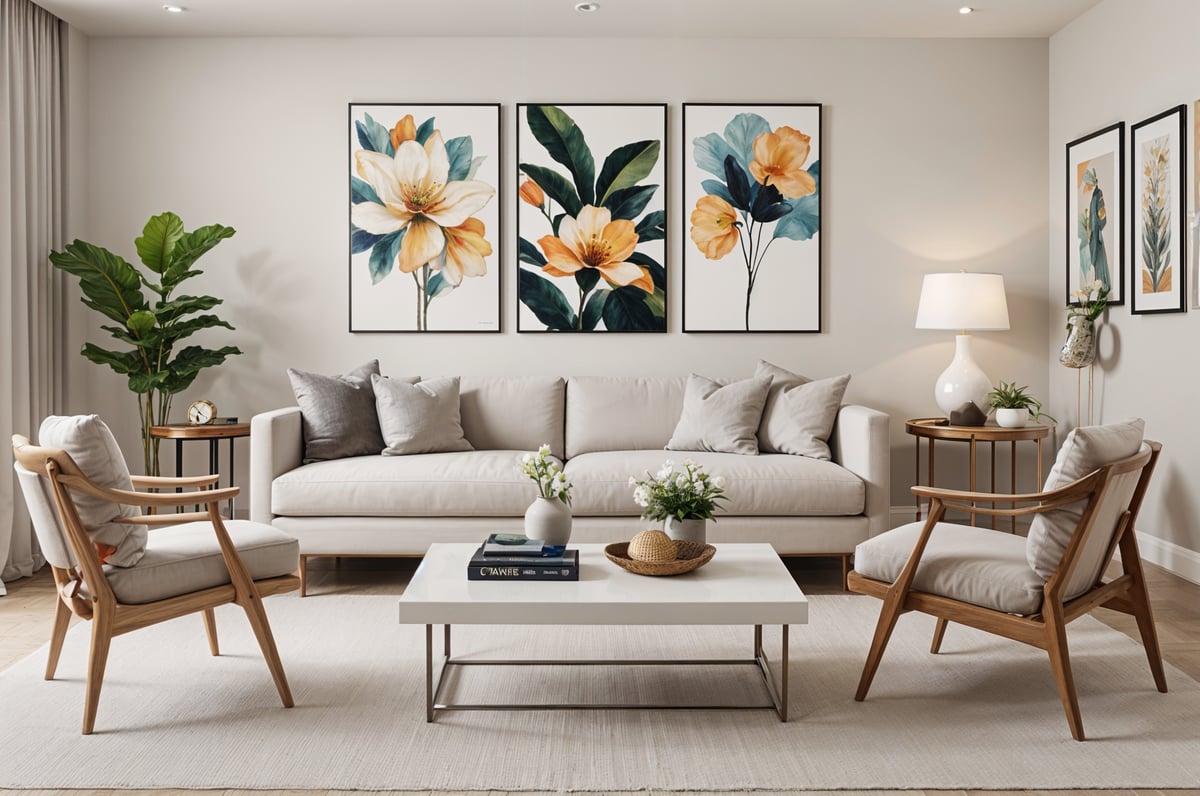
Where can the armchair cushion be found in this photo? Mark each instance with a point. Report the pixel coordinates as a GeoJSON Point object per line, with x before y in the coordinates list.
{"type": "Point", "coordinates": [1086, 448]}
{"type": "Point", "coordinates": [974, 565]}
{"type": "Point", "coordinates": [185, 558]}
{"type": "Point", "coordinates": [90, 444]}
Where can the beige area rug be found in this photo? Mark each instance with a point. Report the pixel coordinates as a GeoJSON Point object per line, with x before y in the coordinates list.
{"type": "Point", "coordinates": [984, 714]}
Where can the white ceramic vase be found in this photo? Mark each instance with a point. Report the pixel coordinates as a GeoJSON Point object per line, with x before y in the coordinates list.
{"type": "Point", "coordinates": [1011, 418]}
{"type": "Point", "coordinates": [685, 530]}
{"type": "Point", "coordinates": [548, 519]}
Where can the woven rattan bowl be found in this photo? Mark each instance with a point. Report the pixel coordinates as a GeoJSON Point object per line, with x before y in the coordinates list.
{"type": "Point", "coordinates": [688, 556]}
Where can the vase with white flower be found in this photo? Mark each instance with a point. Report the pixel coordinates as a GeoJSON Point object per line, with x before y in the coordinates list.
{"type": "Point", "coordinates": [683, 499]}
{"type": "Point", "coordinates": [549, 516]}
{"type": "Point", "coordinates": [1079, 349]}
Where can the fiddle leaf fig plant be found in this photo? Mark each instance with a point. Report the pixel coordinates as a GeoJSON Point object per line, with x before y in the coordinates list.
{"type": "Point", "coordinates": [147, 317]}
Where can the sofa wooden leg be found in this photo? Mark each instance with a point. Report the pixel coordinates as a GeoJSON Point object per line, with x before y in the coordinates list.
{"type": "Point", "coordinates": [303, 576]}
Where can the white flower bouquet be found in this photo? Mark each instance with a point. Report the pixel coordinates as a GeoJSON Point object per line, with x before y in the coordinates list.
{"type": "Point", "coordinates": [686, 494]}
{"type": "Point", "coordinates": [545, 472]}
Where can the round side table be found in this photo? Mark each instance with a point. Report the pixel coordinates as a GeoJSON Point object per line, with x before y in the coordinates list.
{"type": "Point", "coordinates": [213, 433]}
{"type": "Point", "coordinates": [939, 428]}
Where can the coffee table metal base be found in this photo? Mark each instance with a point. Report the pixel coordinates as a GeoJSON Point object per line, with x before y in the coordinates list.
{"type": "Point", "coordinates": [777, 691]}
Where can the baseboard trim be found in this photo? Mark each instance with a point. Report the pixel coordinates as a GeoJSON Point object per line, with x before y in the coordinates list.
{"type": "Point", "coordinates": [902, 515]}
{"type": "Point", "coordinates": [1174, 558]}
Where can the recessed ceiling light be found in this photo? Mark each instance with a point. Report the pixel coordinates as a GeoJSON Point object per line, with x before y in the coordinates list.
{"type": "Point", "coordinates": [965, 10]}
{"type": "Point", "coordinates": [174, 9]}
{"type": "Point", "coordinates": [587, 8]}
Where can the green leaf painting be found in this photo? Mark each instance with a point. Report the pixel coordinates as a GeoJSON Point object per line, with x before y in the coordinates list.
{"type": "Point", "coordinates": [424, 219]}
{"type": "Point", "coordinates": [1155, 207]}
{"type": "Point", "coordinates": [591, 244]}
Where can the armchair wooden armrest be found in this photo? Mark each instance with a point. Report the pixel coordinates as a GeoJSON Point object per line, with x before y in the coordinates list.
{"type": "Point", "coordinates": [157, 520]}
{"type": "Point", "coordinates": [211, 497]}
{"type": "Point", "coordinates": [964, 500]}
{"type": "Point", "coordinates": [171, 482]}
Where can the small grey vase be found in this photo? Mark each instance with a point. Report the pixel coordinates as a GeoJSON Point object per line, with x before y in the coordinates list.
{"type": "Point", "coordinates": [685, 530]}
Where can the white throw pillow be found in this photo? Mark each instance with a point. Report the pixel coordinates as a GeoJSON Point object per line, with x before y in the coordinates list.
{"type": "Point", "coordinates": [720, 418]}
{"type": "Point", "coordinates": [419, 418]}
{"type": "Point", "coordinates": [1087, 448]}
{"type": "Point", "coordinates": [90, 444]}
{"type": "Point", "coordinates": [799, 413]}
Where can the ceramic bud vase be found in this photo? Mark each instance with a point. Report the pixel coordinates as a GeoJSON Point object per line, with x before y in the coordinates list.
{"type": "Point", "coordinates": [548, 519]}
{"type": "Point", "coordinates": [1079, 350]}
{"type": "Point", "coordinates": [685, 530]}
{"type": "Point", "coordinates": [1007, 417]}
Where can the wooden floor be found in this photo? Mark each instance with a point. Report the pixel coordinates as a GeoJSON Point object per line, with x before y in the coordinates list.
{"type": "Point", "coordinates": [26, 612]}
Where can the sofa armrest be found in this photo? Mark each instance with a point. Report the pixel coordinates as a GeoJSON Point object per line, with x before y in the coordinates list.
{"type": "Point", "coordinates": [861, 442]}
{"type": "Point", "coordinates": [276, 446]}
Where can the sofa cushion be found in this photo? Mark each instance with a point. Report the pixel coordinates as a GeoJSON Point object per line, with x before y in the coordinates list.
{"type": "Point", "coordinates": [504, 413]}
{"type": "Point", "coordinates": [419, 418]}
{"type": "Point", "coordinates": [974, 565]}
{"type": "Point", "coordinates": [186, 558]}
{"type": "Point", "coordinates": [621, 413]}
{"type": "Point", "coordinates": [470, 483]}
{"type": "Point", "coordinates": [91, 445]}
{"type": "Point", "coordinates": [799, 413]}
{"type": "Point", "coordinates": [338, 413]}
{"type": "Point", "coordinates": [720, 418]}
{"type": "Point", "coordinates": [766, 485]}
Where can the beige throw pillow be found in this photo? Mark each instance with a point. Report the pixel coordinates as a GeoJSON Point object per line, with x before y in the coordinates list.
{"type": "Point", "coordinates": [720, 418]}
{"type": "Point", "coordinates": [1087, 448]}
{"type": "Point", "coordinates": [419, 418]}
{"type": "Point", "coordinates": [799, 413]}
{"type": "Point", "coordinates": [90, 444]}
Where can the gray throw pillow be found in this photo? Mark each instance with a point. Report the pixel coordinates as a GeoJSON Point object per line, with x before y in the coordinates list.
{"type": "Point", "coordinates": [720, 418]}
{"type": "Point", "coordinates": [337, 413]}
{"type": "Point", "coordinates": [90, 444]}
{"type": "Point", "coordinates": [1086, 448]}
{"type": "Point", "coordinates": [799, 413]}
{"type": "Point", "coordinates": [419, 418]}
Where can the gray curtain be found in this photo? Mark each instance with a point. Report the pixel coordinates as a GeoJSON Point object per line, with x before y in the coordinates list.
{"type": "Point", "coordinates": [32, 198]}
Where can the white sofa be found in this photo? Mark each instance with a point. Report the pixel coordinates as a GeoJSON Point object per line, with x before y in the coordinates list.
{"type": "Point", "coordinates": [605, 429]}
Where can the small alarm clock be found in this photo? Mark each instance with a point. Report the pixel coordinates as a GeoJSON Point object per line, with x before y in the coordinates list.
{"type": "Point", "coordinates": [201, 413]}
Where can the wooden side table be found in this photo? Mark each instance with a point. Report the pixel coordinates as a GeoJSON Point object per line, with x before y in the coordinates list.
{"type": "Point", "coordinates": [939, 428]}
{"type": "Point", "coordinates": [182, 432]}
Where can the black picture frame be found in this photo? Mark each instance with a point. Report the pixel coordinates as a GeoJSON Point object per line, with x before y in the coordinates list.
{"type": "Point", "coordinates": [1103, 154]}
{"type": "Point", "coordinates": [1150, 179]}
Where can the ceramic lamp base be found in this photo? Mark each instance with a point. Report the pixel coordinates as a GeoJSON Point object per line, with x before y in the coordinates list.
{"type": "Point", "coordinates": [962, 389]}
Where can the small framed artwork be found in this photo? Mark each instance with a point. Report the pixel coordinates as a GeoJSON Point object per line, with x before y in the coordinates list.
{"type": "Point", "coordinates": [752, 210]}
{"type": "Point", "coordinates": [1159, 213]}
{"type": "Point", "coordinates": [424, 217]}
{"type": "Point", "coordinates": [1095, 214]}
{"type": "Point", "coordinates": [591, 218]}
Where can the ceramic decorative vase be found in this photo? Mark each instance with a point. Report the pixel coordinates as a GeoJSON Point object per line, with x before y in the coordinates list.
{"type": "Point", "coordinates": [548, 519]}
{"type": "Point", "coordinates": [1079, 350]}
{"type": "Point", "coordinates": [685, 530]}
{"type": "Point", "coordinates": [1011, 418]}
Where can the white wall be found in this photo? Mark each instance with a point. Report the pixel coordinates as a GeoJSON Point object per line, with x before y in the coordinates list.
{"type": "Point", "coordinates": [934, 154]}
{"type": "Point", "coordinates": [1127, 61]}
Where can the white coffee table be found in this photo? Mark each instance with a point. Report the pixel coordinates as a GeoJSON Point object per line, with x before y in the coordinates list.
{"type": "Point", "coordinates": [744, 584]}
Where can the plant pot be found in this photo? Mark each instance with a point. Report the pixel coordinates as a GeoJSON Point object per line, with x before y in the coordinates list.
{"type": "Point", "coordinates": [548, 519]}
{"type": "Point", "coordinates": [1079, 349]}
{"type": "Point", "coordinates": [685, 530]}
{"type": "Point", "coordinates": [1011, 418]}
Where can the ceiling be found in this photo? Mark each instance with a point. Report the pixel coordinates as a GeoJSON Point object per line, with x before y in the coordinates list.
{"type": "Point", "coordinates": [553, 18]}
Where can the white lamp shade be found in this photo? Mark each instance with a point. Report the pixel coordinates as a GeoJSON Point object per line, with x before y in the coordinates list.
{"type": "Point", "coordinates": [963, 301]}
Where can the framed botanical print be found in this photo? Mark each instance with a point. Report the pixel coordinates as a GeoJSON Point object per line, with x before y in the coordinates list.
{"type": "Point", "coordinates": [591, 218]}
{"type": "Point", "coordinates": [424, 217]}
{"type": "Point", "coordinates": [1095, 214]}
{"type": "Point", "coordinates": [752, 210]}
{"type": "Point", "coordinates": [1159, 212]}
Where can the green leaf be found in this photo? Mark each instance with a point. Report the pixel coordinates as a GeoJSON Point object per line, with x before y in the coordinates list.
{"type": "Point", "coordinates": [652, 227]}
{"type": "Point", "coordinates": [383, 256]}
{"type": "Point", "coordinates": [181, 329]}
{"type": "Point", "coordinates": [425, 130]}
{"type": "Point", "coordinates": [141, 322]}
{"type": "Point", "coordinates": [587, 278]}
{"type": "Point", "coordinates": [361, 191]}
{"type": "Point", "coordinates": [741, 132]}
{"type": "Point", "coordinates": [460, 152]}
{"type": "Point", "coordinates": [361, 241]}
{"type": "Point", "coordinates": [157, 244]}
{"type": "Point", "coordinates": [191, 247]}
{"type": "Point", "coordinates": [110, 285]}
{"type": "Point", "coordinates": [545, 300]}
{"type": "Point", "coordinates": [594, 309]}
{"type": "Point", "coordinates": [625, 167]}
{"type": "Point", "coordinates": [168, 311]}
{"type": "Point", "coordinates": [182, 371]}
{"type": "Point", "coordinates": [528, 253]}
{"type": "Point", "coordinates": [555, 186]}
{"type": "Point", "coordinates": [709, 153]}
{"type": "Point", "coordinates": [626, 310]}
{"type": "Point", "coordinates": [630, 203]}
{"type": "Point", "coordinates": [657, 272]}
{"type": "Point", "coordinates": [438, 285]}
{"type": "Point", "coordinates": [562, 138]}
{"type": "Point", "coordinates": [123, 362]}
{"type": "Point", "coordinates": [373, 136]}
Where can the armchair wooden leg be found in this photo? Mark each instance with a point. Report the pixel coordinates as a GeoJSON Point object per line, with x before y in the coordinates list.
{"type": "Point", "coordinates": [1060, 662]}
{"type": "Point", "coordinates": [266, 642]}
{"type": "Point", "coordinates": [62, 620]}
{"type": "Point", "coordinates": [939, 633]}
{"type": "Point", "coordinates": [210, 630]}
{"type": "Point", "coordinates": [102, 633]}
{"type": "Point", "coordinates": [888, 615]}
{"type": "Point", "coordinates": [1139, 600]}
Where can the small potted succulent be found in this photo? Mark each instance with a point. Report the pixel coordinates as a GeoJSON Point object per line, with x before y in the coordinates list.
{"type": "Point", "coordinates": [1014, 406]}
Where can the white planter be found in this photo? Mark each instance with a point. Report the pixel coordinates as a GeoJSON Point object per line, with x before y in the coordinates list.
{"type": "Point", "coordinates": [548, 519]}
{"type": "Point", "coordinates": [1012, 418]}
{"type": "Point", "coordinates": [685, 530]}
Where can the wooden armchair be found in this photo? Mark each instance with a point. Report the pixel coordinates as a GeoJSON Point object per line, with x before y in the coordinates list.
{"type": "Point", "coordinates": [1016, 604]}
{"type": "Point", "coordinates": [191, 564]}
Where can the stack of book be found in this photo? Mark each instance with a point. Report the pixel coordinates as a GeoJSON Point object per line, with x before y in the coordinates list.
{"type": "Point", "coordinates": [506, 556]}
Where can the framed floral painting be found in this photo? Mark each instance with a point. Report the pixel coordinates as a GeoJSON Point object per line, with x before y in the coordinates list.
{"type": "Point", "coordinates": [591, 218]}
{"type": "Point", "coordinates": [1095, 215]}
{"type": "Point", "coordinates": [752, 204]}
{"type": "Point", "coordinates": [424, 217]}
{"type": "Point", "coordinates": [1159, 212]}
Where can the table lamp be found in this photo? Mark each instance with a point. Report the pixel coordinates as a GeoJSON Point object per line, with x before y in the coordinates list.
{"type": "Point", "coordinates": [967, 302]}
